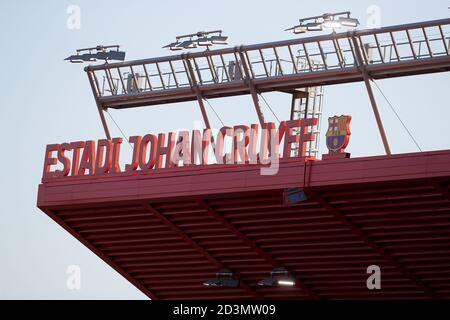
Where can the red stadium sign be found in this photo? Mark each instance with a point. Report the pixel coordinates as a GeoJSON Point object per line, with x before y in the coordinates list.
{"type": "Point", "coordinates": [183, 149]}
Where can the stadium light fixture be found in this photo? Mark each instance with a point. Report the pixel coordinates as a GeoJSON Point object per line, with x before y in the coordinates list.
{"type": "Point", "coordinates": [349, 22]}
{"type": "Point", "coordinates": [219, 39]}
{"type": "Point", "coordinates": [205, 41]}
{"type": "Point", "coordinates": [278, 277]}
{"type": "Point", "coordinates": [198, 39]}
{"type": "Point", "coordinates": [332, 24]}
{"type": "Point", "coordinates": [105, 53]}
{"type": "Point", "coordinates": [188, 44]}
{"type": "Point", "coordinates": [224, 278]}
{"type": "Point", "coordinates": [332, 21]}
{"type": "Point", "coordinates": [173, 46]}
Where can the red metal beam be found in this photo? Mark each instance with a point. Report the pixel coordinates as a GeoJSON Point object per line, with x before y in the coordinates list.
{"type": "Point", "coordinates": [311, 194]}
{"type": "Point", "coordinates": [254, 246]}
{"type": "Point", "coordinates": [390, 200]}
{"type": "Point", "coordinates": [195, 245]}
{"type": "Point", "coordinates": [101, 109]}
{"type": "Point", "coordinates": [366, 76]}
{"type": "Point", "coordinates": [225, 179]}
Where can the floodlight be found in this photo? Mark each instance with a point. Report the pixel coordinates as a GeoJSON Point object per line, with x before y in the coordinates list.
{"type": "Point", "coordinates": [300, 29]}
{"type": "Point", "coordinates": [204, 41]}
{"type": "Point", "coordinates": [93, 54]}
{"type": "Point", "coordinates": [80, 58]}
{"type": "Point", "coordinates": [213, 282]}
{"type": "Point", "coordinates": [278, 277]}
{"type": "Point", "coordinates": [268, 282]}
{"type": "Point", "coordinates": [173, 46]}
{"type": "Point", "coordinates": [224, 278]}
{"type": "Point", "coordinates": [349, 22]}
{"type": "Point", "coordinates": [313, 26]}
{"type": "Point", "coordinates": [297, 29]}
{"type": "Point", "coordinates": [73, 59]}
{"type": "Point", "coordinates": [286, 282]}
{"type": "Point", "coordinates": [108, 55]}
{"type": "Point", "coordinates": [188, 44]}
{"type": "Point", "coordinates": [228, 283]}
{"type": "Point", "coordinates": [325, 21]}
{"type": "Point", "coordinates": [219, 39]}
{"type": "Point", "coordinates": [332, 24]}
{"type": "Point", "coordinates": [201, 39]}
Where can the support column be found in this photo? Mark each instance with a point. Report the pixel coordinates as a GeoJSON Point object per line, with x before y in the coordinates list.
{"type": "Point", "coordinates": [373, 102]}
{"type": "Point", "coordinates": [198, 93]}
{"type": "Point", "coordinates": [99, 106]}
{"type": "Point", "coordinates": [251, 86]}
{"type": "Point", "coordinates": [104, 123]}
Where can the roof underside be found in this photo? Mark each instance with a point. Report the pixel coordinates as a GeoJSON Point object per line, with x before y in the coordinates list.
{"type": "Point", "coordinates": [170, 230]}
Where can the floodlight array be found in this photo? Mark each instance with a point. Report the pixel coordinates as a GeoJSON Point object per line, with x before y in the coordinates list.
{"type": "Point", "coordinates": [199, 39]}
{"type": "Point", "coordinates": [325, 21]}
{"type": "Point", "coordinates": [99, 52]}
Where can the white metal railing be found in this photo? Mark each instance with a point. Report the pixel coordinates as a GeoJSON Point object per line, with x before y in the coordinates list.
{"type": "Point", "coordinates": [395, 44]}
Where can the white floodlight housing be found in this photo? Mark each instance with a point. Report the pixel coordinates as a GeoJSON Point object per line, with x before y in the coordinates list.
{"type": "Point", "coordinates": [297, 29]}
{"type": "Point", "coordinates": [313, 26]}
{"type": "Point", "coordinates": [74, 59]}
{"type": "Point", "coordinates": [204, 41]}
{"type": "Point", "coordinates": [291, 30]}
{"type": "Point", "coordinates": [332, 24]}
{"type": "Point", "coordinates": [349, 22]}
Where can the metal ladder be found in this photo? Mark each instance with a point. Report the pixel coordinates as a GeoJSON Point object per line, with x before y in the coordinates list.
{"type": "Point", "coordinates": [305, 107]}
{"type": "Point", "coordinates": [308, 104]}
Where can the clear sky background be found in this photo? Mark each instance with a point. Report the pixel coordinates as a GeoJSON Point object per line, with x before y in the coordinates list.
{"type": "Point", "coordinates": [46, 100]}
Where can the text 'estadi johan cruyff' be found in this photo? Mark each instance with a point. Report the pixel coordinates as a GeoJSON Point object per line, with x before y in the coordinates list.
{"type": "Point", "coordinates": [252, 145]}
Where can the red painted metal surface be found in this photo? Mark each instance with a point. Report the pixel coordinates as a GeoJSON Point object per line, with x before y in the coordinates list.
{"type": "Point", "coordinates": [169, 230]}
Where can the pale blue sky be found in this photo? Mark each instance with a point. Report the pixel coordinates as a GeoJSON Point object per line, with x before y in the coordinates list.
{"type": "Point", "coordinates": [46, 100]}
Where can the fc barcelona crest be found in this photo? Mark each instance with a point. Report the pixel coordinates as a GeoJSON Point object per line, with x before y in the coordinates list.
{"type": "Point", "coordinates": [338, 134]}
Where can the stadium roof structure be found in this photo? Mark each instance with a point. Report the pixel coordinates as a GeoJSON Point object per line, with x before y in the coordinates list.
{"type": "Point", "coordinates": [169, 230]}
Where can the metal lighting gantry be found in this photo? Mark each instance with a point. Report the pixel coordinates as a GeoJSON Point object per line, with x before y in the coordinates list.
{"type": "Point", "coordinates": [286, 66]}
